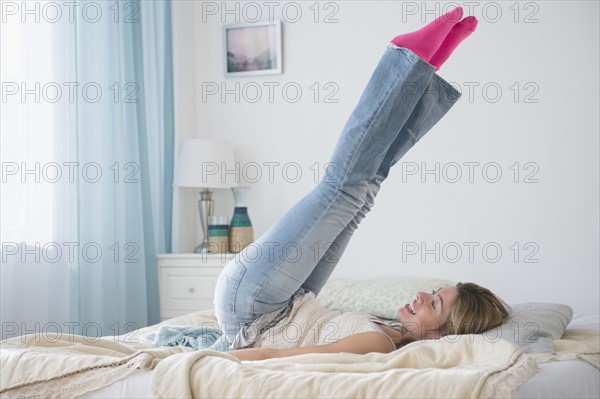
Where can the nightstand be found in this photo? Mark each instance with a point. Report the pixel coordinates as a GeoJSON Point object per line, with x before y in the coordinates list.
{"type": "Point", "coordinates": [187, 281]}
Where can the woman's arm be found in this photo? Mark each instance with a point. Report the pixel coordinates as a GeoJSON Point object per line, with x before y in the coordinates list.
{"type": "Point", "coordinates": [358, 343]}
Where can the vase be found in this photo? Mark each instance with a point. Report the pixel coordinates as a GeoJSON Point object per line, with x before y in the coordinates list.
{"type": "Point", "coordinates": [218, 235]}
{"type": "Point", "coordinates": [241, 233]}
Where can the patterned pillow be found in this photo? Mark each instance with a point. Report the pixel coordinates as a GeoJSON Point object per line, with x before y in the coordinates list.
{"type": "Point", "coordinates": [381, 297]}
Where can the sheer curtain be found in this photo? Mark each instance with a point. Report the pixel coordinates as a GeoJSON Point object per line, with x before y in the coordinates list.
{"type": "Point", "coordinates": [86, 165]}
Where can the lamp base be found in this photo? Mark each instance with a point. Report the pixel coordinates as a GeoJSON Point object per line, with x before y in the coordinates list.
{"type": "Point", "coordinates": [202, 248]}
{"type": "Point", "coordinates": [205, 209]}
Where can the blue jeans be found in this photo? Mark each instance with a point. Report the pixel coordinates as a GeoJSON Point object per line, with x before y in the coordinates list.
{"type": "Point", "coordinates": [403, 99]}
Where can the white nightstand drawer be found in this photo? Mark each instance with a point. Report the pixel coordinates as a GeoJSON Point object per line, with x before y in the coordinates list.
{"type": "Point", "coordinates": [187, 282]}
{"type": "Point", "coordinates": [187, 289]}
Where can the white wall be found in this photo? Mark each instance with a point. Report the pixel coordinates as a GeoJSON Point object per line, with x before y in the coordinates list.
{"type": "Point", "coordinates": [554, 61]}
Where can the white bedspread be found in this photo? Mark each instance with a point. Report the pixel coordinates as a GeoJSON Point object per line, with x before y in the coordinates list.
{"type": "Point", "coordinates": [465, 366]}
{"type": "Point", "coordinates": [69, 366]}
{"type": "Point", "coordinates": [553, 379]}
{"type": "Point", "coordinates": [455, 367]}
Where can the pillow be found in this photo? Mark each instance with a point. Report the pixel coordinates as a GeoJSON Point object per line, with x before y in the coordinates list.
{"type": "Point", "coordinates": [533, 326]}
{"type": "Point", "coordinates": [381, 297]}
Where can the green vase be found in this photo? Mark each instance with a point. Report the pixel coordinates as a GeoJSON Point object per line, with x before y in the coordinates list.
{"type": "Point", "coordinates": [241, 233]}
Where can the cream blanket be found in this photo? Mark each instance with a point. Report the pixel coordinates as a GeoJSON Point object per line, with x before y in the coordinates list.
{"type": "Point", "coordinates": [455, 366]}
{"type": "Point", "coordinates": [38, 368]}
{"type": "Point", "coordinates": [65, 365]}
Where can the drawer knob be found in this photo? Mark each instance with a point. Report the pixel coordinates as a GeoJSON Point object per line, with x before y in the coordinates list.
{"type": "Point", "coordinates": [191, 290]}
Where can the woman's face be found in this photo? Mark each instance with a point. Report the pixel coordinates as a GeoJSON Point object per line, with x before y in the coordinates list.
{"type": "Point", "coordinates": [428, 312]}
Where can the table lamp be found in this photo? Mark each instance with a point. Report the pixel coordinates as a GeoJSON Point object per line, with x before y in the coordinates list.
{"type": "Point", "coordinates": [205, 163]}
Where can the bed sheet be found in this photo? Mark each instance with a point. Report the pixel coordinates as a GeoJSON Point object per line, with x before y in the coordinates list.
{"type": "Point", "coordinates": [572, 378]}
{"type": "Point", "coordinates": [135, 385]}
{"type": "Point", "coordinates": [566, 379]}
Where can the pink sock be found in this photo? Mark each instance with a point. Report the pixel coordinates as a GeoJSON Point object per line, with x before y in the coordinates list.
{"type": "Point", "coordinates": [457, 34]}
{"type": "Point", "coordinates": [428, 39]}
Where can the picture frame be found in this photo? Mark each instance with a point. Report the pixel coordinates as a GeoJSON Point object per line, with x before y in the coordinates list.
{"type": "Point", "coordinates": [252, 49]}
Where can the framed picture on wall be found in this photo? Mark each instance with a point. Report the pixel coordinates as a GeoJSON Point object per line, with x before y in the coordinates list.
{"type": "Point", "coordinates": [252, 49]}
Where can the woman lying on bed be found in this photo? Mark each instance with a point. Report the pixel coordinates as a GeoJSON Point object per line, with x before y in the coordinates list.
{"type": "Point", "coordinates": [265, 297]}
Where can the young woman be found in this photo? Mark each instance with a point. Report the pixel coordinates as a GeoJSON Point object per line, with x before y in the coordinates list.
{"type": "Point", "coordinates": [265, 297]}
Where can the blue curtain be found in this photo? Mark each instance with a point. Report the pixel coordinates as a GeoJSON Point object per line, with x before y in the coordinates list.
{"type": "Point", "coordinates": [124, 148]}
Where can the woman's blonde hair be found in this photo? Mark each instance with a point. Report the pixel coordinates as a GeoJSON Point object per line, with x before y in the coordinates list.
{"type": "Point", "coordinates": [476, 310]}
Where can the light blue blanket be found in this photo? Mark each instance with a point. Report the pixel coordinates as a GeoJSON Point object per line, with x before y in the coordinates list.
{"type": "Point", "coordinates": [205, 337]}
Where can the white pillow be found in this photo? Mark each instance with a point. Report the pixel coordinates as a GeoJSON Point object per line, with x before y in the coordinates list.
{"type": "Point", "coordinates": [381, 297]}
{"type": "Point", "coordinates": [533, 326]}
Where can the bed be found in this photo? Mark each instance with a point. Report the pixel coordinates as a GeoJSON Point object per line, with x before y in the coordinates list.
{"type": "Point", "coordinates": [519, 364]}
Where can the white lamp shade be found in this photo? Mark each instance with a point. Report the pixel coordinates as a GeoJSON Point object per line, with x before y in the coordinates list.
{"type": "Point", "coordinates": [205, 163]}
